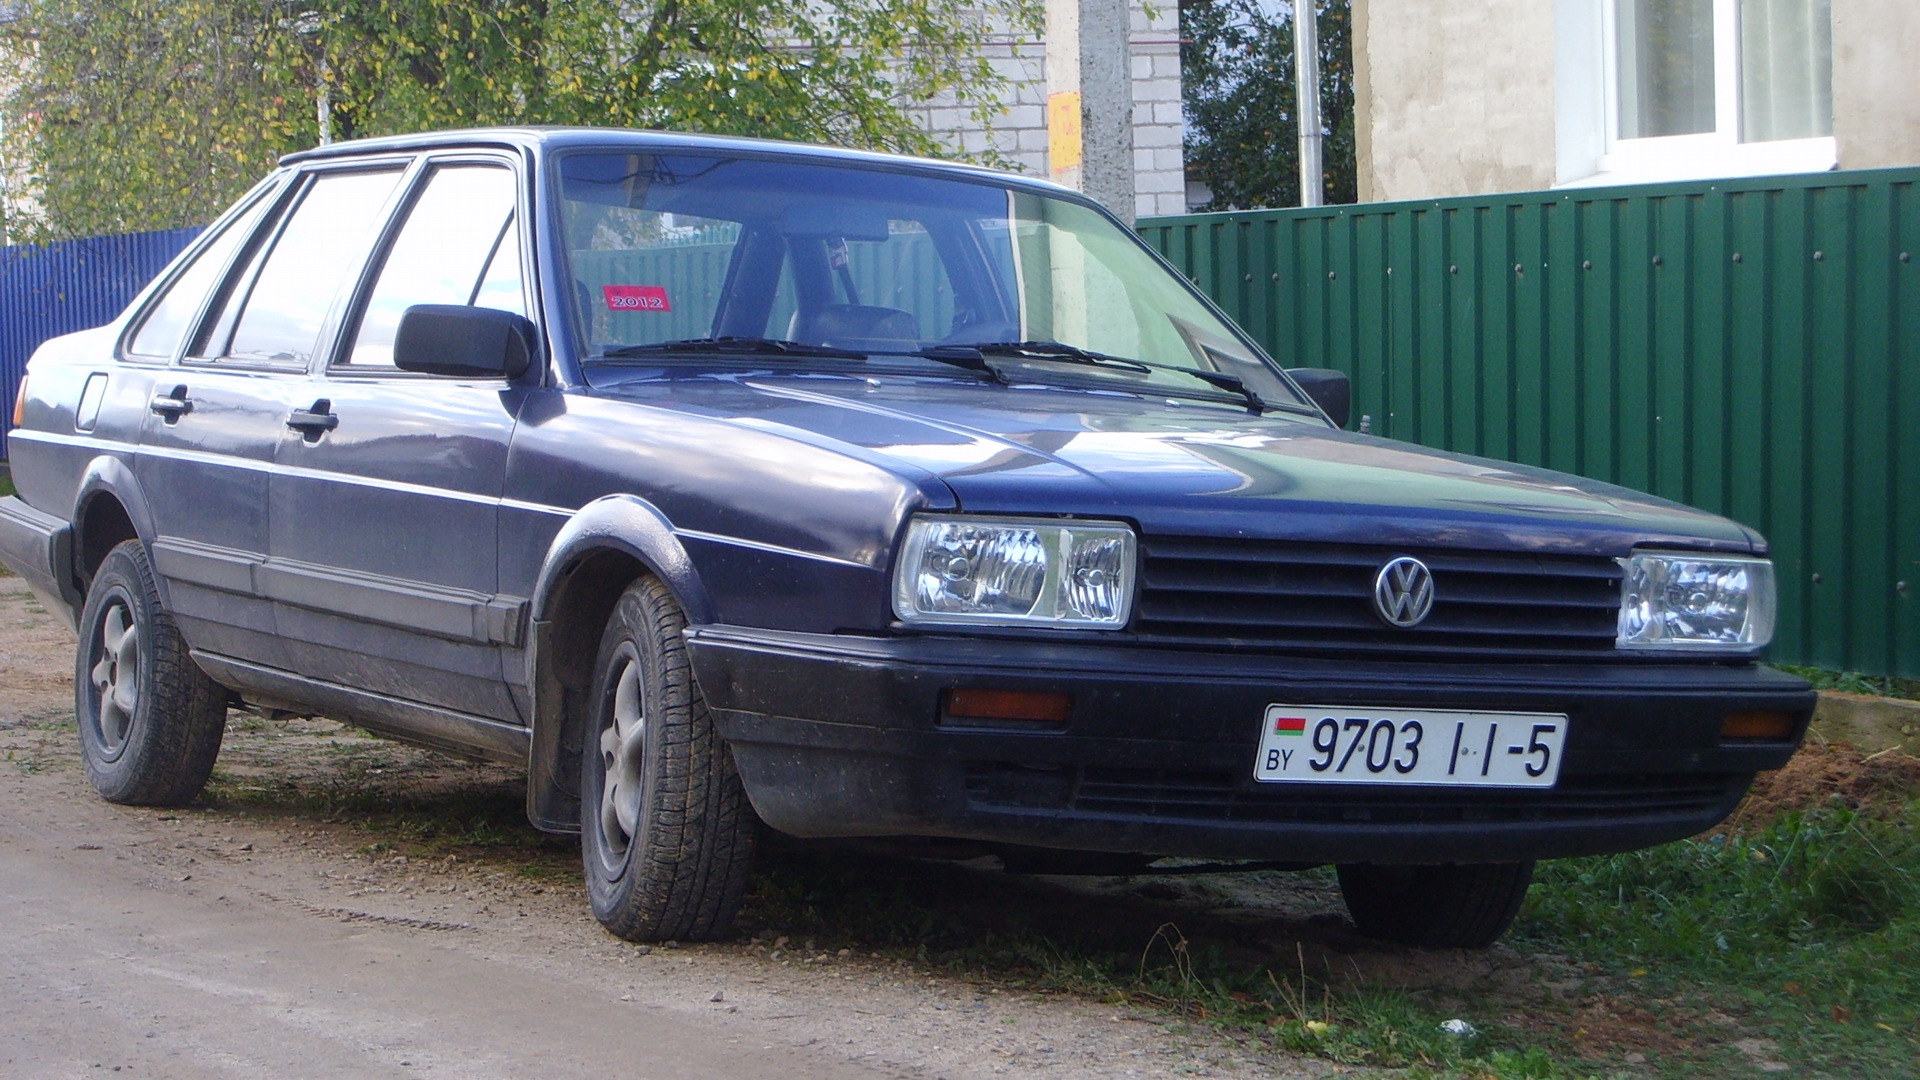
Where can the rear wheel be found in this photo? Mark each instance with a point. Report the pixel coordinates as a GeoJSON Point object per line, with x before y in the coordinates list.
{"type": "Point", "coordinates": [1436, 907]}
{"type": "Point", "coordinates": [666, 833]}
{"type": "Point", "coordinates": [150, 720]}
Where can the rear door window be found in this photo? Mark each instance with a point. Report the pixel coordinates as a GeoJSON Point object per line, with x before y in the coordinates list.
{"type": "Point", "coordinates": [274, 311]}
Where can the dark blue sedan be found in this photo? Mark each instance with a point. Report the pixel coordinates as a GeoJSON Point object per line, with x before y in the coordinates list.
{"type": "Point", "coordinates": [729, 484]}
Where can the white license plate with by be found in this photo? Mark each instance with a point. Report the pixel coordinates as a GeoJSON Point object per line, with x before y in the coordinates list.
{"type": "Point", "coordinates": [1340, 744]}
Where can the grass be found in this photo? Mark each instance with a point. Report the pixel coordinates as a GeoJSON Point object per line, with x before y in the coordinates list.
{"type": "Point", "coordinates": [1790, 946]}
{"type": "Point", "coordinates": [1853, 682]}
{"type": "Point", "coordinates": [1807, 931]}
{"type": "Point", "coordinates": [1030, 935]}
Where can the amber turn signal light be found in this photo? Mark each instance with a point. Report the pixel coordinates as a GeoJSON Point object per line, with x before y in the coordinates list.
{"type": "Point", "coordinates": [1773, 726]}
{"type": "Point", "coordinates": [1030, 705]}
{"type": "Point", "coordinates": [20, 404]}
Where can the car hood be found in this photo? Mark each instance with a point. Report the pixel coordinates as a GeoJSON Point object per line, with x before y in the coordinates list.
{"type": "Point", "coordinates": [1191, 468]}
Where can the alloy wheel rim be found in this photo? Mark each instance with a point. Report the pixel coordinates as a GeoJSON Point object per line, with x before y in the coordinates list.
{"type": "Point", "coordinates": [116, 676]}
{"type": "Point", "coordinates": [623, 757]}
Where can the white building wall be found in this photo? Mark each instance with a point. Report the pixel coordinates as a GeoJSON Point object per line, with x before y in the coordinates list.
{"type": "Point", "coordinates": [1876, 114]}
{"type": "Point", "coordinates": [1466, 99]}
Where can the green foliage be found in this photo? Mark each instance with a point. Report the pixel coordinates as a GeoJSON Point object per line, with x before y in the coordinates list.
{"type": "Point", "coordinates": [1804, 923]}
{"type": "Point", "coordinates": [1853, 682]}
{"type": "Point", "coordinates": [131, 116]}
{"type": "Point", "coordinates": [1243, 136]}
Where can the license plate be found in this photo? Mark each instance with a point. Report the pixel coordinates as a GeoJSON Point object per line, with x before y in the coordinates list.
{"type": "Point", "coordinates": [1339, 744]}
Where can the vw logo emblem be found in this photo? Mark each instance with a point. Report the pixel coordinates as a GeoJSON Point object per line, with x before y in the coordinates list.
{"type": "Point", "coordinates": [1403, 592]}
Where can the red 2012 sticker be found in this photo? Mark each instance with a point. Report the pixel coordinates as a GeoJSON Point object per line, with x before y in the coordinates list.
{"type": "Point", "coordinates": [636, 298]}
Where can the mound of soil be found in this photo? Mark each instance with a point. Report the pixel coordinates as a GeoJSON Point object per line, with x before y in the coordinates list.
{"type": "Point", "coordinates": [1878, 785]}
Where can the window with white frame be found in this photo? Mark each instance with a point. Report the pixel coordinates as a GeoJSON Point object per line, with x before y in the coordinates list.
{"type": "Point", "coordinates": [1673, 89]}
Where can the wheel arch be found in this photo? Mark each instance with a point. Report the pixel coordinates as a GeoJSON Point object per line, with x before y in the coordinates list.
{"type": "Point", "coordinates": [108, 509]}
{"type": "Point", "coordinates": [603, 548]}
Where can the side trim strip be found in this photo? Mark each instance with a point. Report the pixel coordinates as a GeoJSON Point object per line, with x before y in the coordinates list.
{"type": "Point", "coordinates": [229, 461]}
{"type": "Point", "coordinates": [771, 549]}
{"type": "Point", "coordinates": [302, 472]}
{"type": "Point", "coordinates": [406, 605]}
{"type": "Point", "coordinates": [410, 721]}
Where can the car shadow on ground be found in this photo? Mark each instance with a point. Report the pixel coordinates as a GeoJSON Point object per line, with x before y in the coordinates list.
{"type": "Point", "coordinates": [963, 914]}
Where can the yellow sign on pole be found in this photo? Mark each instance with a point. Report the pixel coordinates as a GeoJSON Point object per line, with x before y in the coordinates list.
{"type": "Point", "coordinates": [1064, 144]}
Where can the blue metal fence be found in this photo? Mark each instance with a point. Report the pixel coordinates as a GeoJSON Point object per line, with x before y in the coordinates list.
{"type": "Point", "coordinates": [57, 289]}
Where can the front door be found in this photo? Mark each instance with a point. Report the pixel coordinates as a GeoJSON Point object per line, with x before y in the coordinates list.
{"type": "Point", "coordinates": [387, 483]}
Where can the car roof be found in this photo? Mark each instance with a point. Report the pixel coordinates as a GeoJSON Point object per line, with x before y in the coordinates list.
{"type": "Point", "coordinates": [544, 140]}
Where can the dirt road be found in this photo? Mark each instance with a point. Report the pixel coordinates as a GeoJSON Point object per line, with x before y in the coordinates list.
{"type": "Point", "coordinates": [260, 933]}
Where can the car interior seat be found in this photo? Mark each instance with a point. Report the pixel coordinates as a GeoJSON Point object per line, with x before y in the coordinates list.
{"type": "Point", "coordinates": [856, 326]}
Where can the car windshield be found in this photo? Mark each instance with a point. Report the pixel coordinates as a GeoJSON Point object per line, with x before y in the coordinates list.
{"type": "Point", "coordinates": [817, 264]}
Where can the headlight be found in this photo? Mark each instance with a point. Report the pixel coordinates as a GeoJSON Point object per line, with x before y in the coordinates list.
{"type": "Point", "coordinates": [1015, 572]}
{"type": "Point", "coordinates": [1695, 602]}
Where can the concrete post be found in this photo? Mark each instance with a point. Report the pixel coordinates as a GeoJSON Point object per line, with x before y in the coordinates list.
{"type": "Point", "coordinates": [1090, 100]}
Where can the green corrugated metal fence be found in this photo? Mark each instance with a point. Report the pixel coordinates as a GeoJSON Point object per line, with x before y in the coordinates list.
{"type": "Point", "coordinates": [1751, 347]}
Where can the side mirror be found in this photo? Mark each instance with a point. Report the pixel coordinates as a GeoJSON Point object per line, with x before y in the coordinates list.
{"type": "Point", "coordinates": [464, 342]}
{"type": "Point", "coordinates": [1329, 389]}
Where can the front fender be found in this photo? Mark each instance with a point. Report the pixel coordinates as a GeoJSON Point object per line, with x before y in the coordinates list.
{"type": "Point", "coordinates": [630, 525]}
{"type": "Point", "coordinates": [560, 632]}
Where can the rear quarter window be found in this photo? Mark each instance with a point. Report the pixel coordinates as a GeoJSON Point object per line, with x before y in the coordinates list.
{"type": "Point", "coordinates": [168, 320]}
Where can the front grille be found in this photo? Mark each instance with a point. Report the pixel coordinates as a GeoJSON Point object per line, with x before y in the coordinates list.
{"type": "Point", "coordinates": [1318, 599]}
{"type": "Point", "coordinates": [1177, 795]}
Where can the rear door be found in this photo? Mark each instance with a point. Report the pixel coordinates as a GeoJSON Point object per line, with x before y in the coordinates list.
{"type": "Point", "coordinates": [387, 487]}
{"type": "Point", "coordinates": [241, 324]}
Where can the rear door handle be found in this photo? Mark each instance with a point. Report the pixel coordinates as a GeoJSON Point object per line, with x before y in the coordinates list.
{"type": "Point", "coordinates": [315, 421]}
{"type": "Point", "coordinates": [173, 405]}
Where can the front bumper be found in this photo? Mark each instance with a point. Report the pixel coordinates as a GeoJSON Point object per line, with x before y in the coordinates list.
{"type": "Point", "coordinates": [35, 546]}
{"type": "Point", "coordinates": [844, 736]}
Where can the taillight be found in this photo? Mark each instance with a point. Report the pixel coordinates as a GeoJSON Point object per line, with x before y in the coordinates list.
{"type": "Point", "coordinates": [20, 404]}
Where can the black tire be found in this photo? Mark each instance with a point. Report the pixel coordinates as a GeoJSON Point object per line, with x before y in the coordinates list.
{"type": "Point", "coordinates": [1435, 907]}
{"type": "Point", "coordinates": [666, 833]}
{"type": "Point", "coordinates": [150, 719]}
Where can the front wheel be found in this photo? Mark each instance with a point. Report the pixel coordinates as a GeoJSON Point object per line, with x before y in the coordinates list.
{"type": "Point", "coordinates": [1436, 907]}
{"type": "Point", "coordinates": [150, 720]}
{"type": "Point", "coordinates": [666, 833]}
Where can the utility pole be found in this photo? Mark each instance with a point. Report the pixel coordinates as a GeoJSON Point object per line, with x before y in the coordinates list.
{"type": "Point", "coordinates": [1306, 96]}
{"type": "Point", "coordinates": [1090, 100]}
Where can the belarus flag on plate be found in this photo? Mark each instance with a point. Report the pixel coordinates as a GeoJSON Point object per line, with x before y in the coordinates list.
{"type": "Point", "coordinates": [1289, 725]}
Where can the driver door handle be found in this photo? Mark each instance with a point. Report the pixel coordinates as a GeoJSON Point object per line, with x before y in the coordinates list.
{"type": "Point", "coordinates": [315, 421]}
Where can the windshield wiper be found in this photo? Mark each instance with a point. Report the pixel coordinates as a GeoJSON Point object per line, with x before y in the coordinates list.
{"type": "Point", "coordinates": [961, 356]}
{"type": "Point", "coordinates": [1047, 350]}
{"type": "Point", "coordinates": [731, 345]}
{"type": "Point", "coordinates": [1058, 350]}
{"type": "Point", "coordinates": [1225, 382]}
